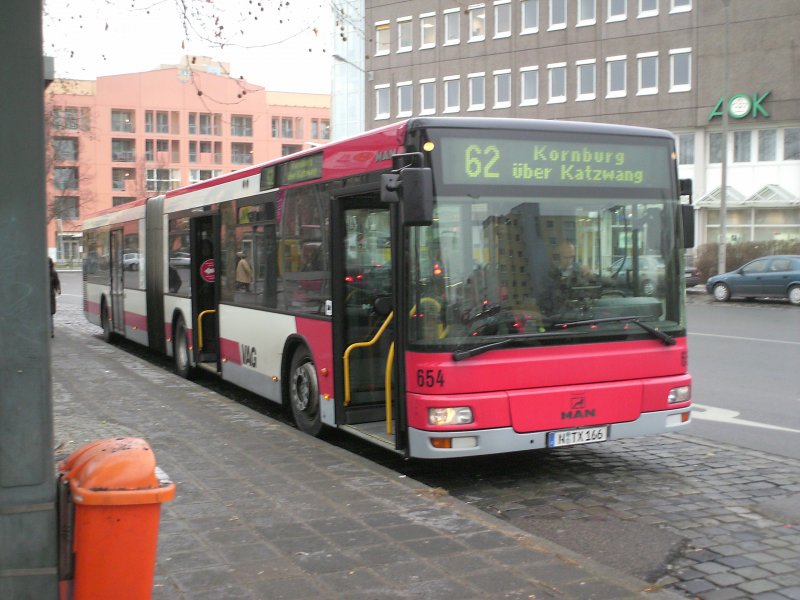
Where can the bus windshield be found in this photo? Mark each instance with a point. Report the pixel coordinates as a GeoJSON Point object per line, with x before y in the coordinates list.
{"type": "Point", "coordinates": [507, 257]}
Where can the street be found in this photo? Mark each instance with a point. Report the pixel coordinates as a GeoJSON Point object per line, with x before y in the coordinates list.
{"type": "Point", "coordinates": [713, 513]}
{"type": "Point", "coordinates": [744, 359]}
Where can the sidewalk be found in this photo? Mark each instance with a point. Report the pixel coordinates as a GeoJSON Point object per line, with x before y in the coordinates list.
{"type": "Point", "coordinates": [265, 512]}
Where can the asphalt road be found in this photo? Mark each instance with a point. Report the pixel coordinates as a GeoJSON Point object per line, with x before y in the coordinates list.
{"type": "Point", "coordinates": [744, 357]}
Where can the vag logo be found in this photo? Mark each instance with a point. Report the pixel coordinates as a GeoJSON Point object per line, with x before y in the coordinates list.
{"type": "Point", "coordinates": [578, 409]}
{"type": "Point", "coordinates": [249, 356]}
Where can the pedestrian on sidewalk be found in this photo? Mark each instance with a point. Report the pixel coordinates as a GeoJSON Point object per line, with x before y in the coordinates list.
{"type": "Point", "coordinates": [244, 273]}
{"type": "Point", "coordinates": [55, 288]}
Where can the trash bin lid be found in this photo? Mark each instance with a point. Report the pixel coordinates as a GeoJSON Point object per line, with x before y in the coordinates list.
{"type": "Point", "coordinates": [116, 471]}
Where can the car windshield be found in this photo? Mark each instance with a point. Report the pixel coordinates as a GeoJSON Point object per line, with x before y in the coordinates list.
{"type": "Point", "coordinates": [499, 266]}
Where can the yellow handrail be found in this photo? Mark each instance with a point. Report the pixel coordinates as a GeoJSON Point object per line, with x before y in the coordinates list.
{"type": "Point", "coordinates": [200, 328]}
{"type": "Point", "coordinates": [352, 347]}
{"type": "Point", "coordinates": [388, 383]}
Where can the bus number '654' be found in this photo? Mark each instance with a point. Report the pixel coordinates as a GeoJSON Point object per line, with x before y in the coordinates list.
{"type": "Point", "coordinates": [430, 378]}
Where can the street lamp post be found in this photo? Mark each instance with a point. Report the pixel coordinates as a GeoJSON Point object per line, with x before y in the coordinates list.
{"type": "Point", "coordinates": [723, 197]}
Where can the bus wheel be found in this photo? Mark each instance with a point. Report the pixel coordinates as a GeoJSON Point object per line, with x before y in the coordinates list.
{"type": "Point", "coordinates": [180, 350]}
{"type": "Point", "coordinates": [304, 393]}
{"type": "Point", "coordinates": [108, 335]}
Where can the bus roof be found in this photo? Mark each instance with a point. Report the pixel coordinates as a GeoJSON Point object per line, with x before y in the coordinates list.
{"type": "Point", "coordinates": [398, 131]}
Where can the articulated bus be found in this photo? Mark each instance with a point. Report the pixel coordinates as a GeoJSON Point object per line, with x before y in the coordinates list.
{"type": "Point", "coordinates": [442, 287]}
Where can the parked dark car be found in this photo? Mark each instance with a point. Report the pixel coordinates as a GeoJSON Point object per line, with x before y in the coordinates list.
{"type": "Point", "coordinates": [766, 277]}
{"type": "Point", "coordinates": [692, 276]}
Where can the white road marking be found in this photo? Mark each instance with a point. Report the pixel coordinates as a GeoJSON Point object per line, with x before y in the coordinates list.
{"type": "Point", "coordinates": [745, 339]}
{"type": "Point", "coordinates": [724, 415]}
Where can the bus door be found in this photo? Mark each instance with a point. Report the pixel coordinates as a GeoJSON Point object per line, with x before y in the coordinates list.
{"type": "Point", "coordinates": [117, 283]}
{"type": "Point", "coordinates": [205, 305]}
{"type": "Point", "coordinates": [362, 325]}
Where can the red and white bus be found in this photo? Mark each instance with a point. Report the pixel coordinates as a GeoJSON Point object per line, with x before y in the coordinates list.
{"type": "Point", "coordinates": [442, 287]}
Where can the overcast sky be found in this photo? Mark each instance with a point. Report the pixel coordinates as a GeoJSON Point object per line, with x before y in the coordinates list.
{"type": "Point", "coordinates": [281, 45]}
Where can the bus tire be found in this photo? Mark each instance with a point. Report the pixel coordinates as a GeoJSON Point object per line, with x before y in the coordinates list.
{"type": "Point", "coordinates": [108, 335]}
{"type": "Point", "coordinates": [304, 393]}
{"type": "Point", "coordinates": [180, 350]}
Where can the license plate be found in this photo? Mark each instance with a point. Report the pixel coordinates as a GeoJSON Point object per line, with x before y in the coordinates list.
{"type": "Point", "coordinates": [573, 437]}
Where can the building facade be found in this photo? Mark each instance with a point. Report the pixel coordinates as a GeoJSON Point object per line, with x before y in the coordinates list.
{"type": "Point", "coordinates": [657, 63]}
{"type": "Point", "coordinates": [124, 137]}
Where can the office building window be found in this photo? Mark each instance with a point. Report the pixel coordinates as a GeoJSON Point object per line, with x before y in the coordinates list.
{"type": "Point", "coordinates": [452, 93]}
{"type": "Point", "coordinates": [586, 75]}
{"type": "Point", "coordinates": [767, 145]}
{"type": "Point", "coordinates": [120, 177]}
{"type": "Point", "coordinates": [680, 6]}
{"type": "Point", "coordinates": [162, 180]}
{"type": "Point", "coordinates": [791, 143]}
{"type": "Point", "coordinates": [616, 76]}
{"type": "Point", "coordinates": [122, 120]}
{"type": "Point", "coordinates": [405, 34]}
{"type": "Point", "coordinates": [477, 22]}
{"type": "Point", "coordinates": [120, 200]}
{"type": "Point", "coordinates": [65, 148]}
{"type": "Point", "coordinates": [617, 10]}
{"type": "Point", "coordinates": [529, 16]}
{"type": "Point", "coordinates": [242, 126]}
{"type": "Point", "coordinates": [122, 150]}
{"type": "Point", "coordinates": [558, 14]}
{"type": "Point", "coordinates": [162, 121]}
{"type": "Point", "coordinates": [715, 149]}
{"type": "Point", "coordinates": [196, 175]}
{"type": "Point", "coordinates": [383, 39]}
{"type": "Point", "coordinates": [427, 96]}
{"type": "Point", "coordinates": [648, 73]}
{"type": "Point", "coordinates": [502, 18]}
{"type": "Point", "coordinates": [320, 129]}
{"type": "Point", "coordinates": [648, 8]}
{"type": "Point", "coordinates": [66, 207]}
{"type": "Point", "coordinates": [502, 88]}
{"type": "Point", "coordinates": [65, 178]}
{"type": "Point", "coordinates": [529, 86]}
{"type": "Point", "coordinates": [71, 118]}
{"type": "Point", "coordinates": [427, 31]}
{"type": "Point", "coordinates": [477, 91]}
{"type": "Point", "coordinates": [452, 25]}
{"type": "Point", "coordinates": [241, 153]}
{"type": "Point", "coordinates": [587, 13]}
{"type": "Point", "coordinates": [680, 70]}
{"type": "Point", "coordinates": [557, 75]}
{"type": "Point", "coordinates": [742, 146]}
{"type": "Point", "coordinates": [192, 151]}
{"type": "Point", "coordinates": [404, 99]}
{"type": "Point", "coordinates": [686, 149]}
{"type": "Point", "coordinates": [287, 127]}
{"type": "Point", "coordinates": [382, 101]}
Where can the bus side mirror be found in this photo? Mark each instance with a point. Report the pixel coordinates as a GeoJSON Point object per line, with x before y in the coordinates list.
{"type": "Point", "coordinates": [687, 216]}
{"type": "Point", "coordinates": [413, 186]}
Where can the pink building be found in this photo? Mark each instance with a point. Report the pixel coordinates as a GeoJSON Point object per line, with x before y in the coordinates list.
{"type": "Point", "coordinates": [125, 137]}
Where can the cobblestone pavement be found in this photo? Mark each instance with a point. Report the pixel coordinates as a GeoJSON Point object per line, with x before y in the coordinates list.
{"type": "Point", "coordinates": [725, 519]}
{"type": "Point", "coordinates": [706, 520]}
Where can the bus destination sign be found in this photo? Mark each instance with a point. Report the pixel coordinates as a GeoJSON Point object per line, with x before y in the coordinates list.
{"type": "Point", "coordinates": [497, 161]}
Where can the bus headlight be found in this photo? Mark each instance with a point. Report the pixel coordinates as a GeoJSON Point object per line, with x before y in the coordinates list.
{"type": "Point", "coordinates": [679, 394]}
{"type": "Point", "coordinates": [457, 415]}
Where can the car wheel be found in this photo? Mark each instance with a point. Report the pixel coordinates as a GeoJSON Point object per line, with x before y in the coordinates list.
{"type": "Point", "coordinates": [794, 295]}
{"type": "Point", "coordinates": [722, 293]}
{"type": "Point", "coordinates": [180, 350]}
{"type": "Point", "coordinates": [304, 393]}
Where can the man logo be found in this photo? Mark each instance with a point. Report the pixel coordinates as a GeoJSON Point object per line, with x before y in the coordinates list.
{"type": "Point", "coordinates": [578, 409]}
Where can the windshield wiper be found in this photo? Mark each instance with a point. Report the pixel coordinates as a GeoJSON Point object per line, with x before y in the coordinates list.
{"type": "Point", "coordinates": [507, 341]}
{"type": "Point", "coordinates": [664, 337]}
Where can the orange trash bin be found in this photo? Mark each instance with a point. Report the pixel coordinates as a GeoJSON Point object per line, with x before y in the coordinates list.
{"type": "Point", "coordinates": [117, 491]}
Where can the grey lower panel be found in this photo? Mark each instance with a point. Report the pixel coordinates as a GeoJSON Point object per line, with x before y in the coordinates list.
{"type": "Point", "coordinates": [505, 439]}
